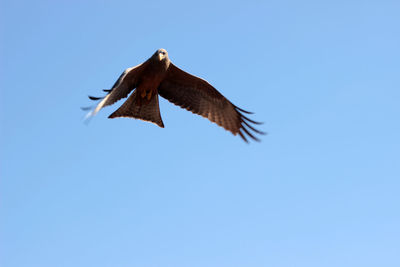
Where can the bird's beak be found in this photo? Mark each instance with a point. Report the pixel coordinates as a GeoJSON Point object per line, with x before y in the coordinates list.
{"type": "Point", "coordinates": [160, 56]}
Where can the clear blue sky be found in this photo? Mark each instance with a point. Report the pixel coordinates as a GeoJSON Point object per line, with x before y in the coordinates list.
{"type": "Point", "coordinates": [321, 189]}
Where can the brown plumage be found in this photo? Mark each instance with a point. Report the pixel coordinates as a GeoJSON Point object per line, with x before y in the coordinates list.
{"type": "Point", "coordinates": [158, 76]}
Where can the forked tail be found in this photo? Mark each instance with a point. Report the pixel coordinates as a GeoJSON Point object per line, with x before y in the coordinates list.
{"type": "Point", "coordinates": [147, 112]}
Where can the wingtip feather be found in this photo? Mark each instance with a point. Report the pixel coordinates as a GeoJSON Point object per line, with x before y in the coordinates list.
{"type": "Point", "coordinates": [242, 110]}
{"type": "Point", "coordinates": [95, 98]}
{"type": "Point", "coordinates": [86, 108]}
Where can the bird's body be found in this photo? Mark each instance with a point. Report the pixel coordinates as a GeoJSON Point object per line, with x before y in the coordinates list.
{"type": "Point", "coordinates": [152, 75]}
{"type": "Point", "coordinates": [158, 76]}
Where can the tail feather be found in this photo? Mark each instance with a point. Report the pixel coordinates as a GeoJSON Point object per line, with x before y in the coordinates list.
{"type": "Point", "coordinates": [147, 112]}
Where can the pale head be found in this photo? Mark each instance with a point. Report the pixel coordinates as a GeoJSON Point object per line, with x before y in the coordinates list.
{"type": "Point", "coordinates": [161, 54]}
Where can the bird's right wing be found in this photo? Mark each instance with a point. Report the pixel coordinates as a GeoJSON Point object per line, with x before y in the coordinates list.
{"type": "Point", "coordinates": [126, 82]}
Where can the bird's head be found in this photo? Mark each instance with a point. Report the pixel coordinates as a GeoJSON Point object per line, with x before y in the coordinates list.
{"type": "Point", "coordinates": [161, 54]}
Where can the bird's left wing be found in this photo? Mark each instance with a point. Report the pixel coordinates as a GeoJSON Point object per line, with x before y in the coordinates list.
{"type": "Point", "coordinates": [200, 97]}
{"type": "Point", "coordinates": [126, 82]}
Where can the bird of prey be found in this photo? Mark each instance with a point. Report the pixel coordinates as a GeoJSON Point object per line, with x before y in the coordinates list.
{"type": "Point", "coordinates": [158, 76]}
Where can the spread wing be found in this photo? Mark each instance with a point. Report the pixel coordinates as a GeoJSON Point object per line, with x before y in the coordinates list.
{"type": "Point", "coordinates": [126, 82]}
{"type": "Point", "coordinates": [200, 97]}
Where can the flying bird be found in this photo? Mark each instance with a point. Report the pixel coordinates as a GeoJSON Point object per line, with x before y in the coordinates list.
{"type": "Point", "coordinates": [158, 76]}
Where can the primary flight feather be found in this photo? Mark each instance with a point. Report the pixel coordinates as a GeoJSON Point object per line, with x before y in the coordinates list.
{"type": "Point", "coordinates": [158, 76]}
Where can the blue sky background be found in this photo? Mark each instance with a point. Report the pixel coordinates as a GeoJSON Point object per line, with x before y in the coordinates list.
{"type": "Point", "coordinates": [321, 189]}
